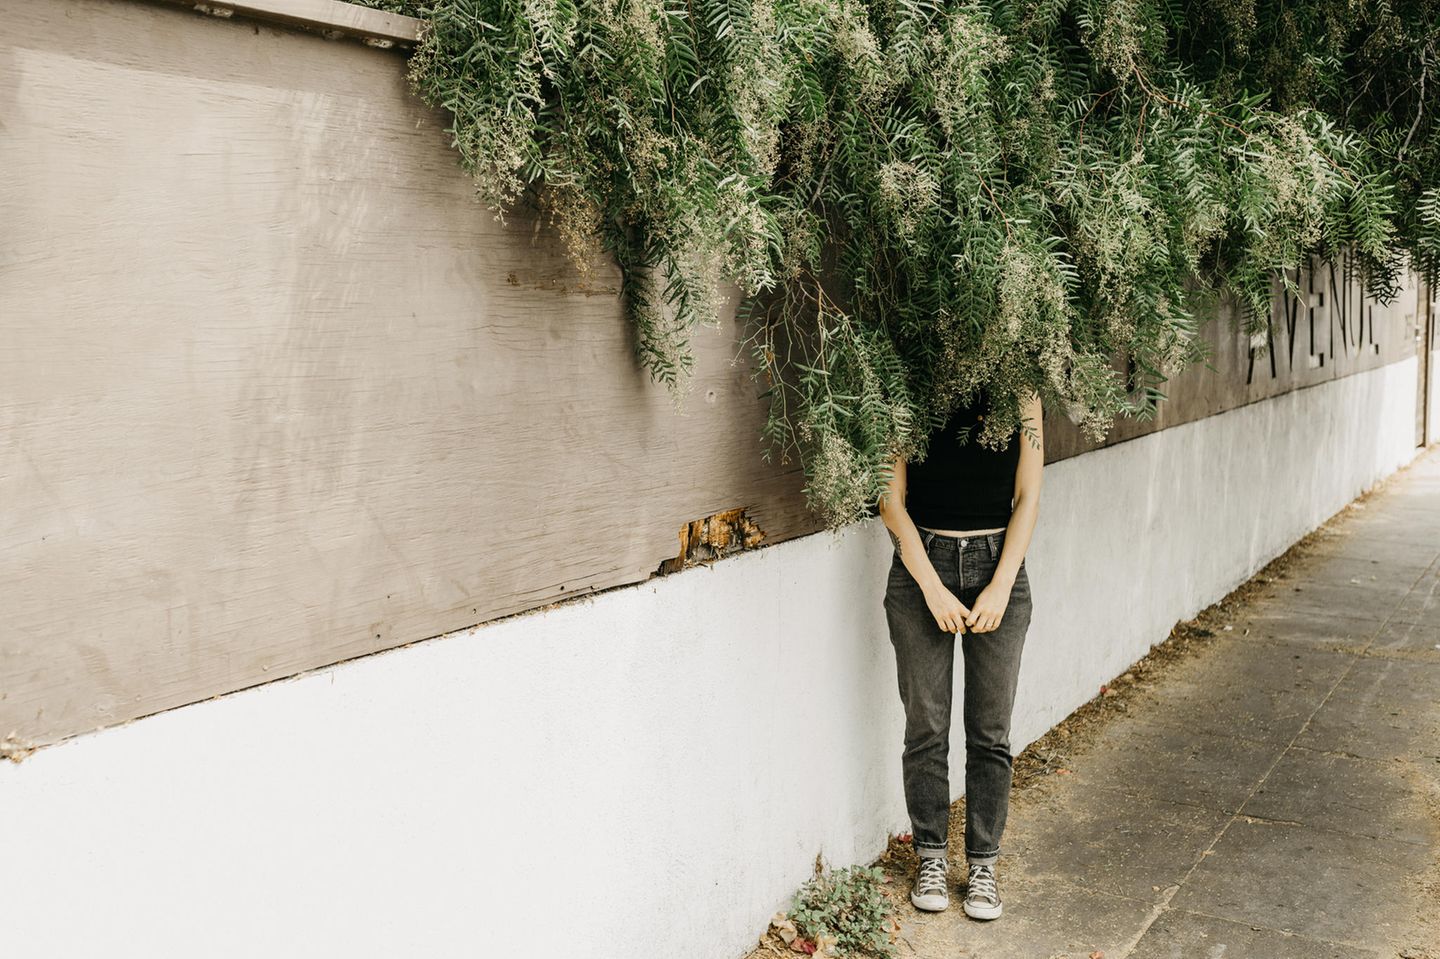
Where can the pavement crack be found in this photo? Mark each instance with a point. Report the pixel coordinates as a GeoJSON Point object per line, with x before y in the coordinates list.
{"type": "Point", "coordinates": [1249, 817]}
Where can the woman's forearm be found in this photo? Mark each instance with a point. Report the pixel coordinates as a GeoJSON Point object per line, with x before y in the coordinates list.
{"type": "Point", "coordinates": [1027, 494]}
{"type": "Point", "coordinates": [1017, 537]}
{"type": "Point", "coordinates": [912, 548]}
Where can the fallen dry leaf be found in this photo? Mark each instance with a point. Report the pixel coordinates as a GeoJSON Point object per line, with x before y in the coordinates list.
{"type": "Point", "coordinates": [801, 944]}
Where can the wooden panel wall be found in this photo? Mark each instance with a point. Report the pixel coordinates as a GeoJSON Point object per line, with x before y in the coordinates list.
{"type": "Point", "coordinates": [276, 391]}
{"type": "Point", "coordinates": [1336, 328]}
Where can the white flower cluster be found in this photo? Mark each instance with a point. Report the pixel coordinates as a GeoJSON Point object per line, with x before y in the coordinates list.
{"type": "Point", "coordinates": [910, 193]}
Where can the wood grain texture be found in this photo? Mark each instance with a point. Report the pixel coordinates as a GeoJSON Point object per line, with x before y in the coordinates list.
{"type": "Point", "coordinates": [1352, 332]}
{"type": "Point", "coordinates": [277, 391]}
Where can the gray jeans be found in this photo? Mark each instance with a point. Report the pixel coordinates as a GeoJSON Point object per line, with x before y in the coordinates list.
{"type": "Point", "coordinates": [925, 661]}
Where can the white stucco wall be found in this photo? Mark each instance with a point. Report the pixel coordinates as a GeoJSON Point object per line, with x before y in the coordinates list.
{"type": "Point", "coordinates": [657, 763]}
{"type": "Point", "coordinates": [1432, 422]}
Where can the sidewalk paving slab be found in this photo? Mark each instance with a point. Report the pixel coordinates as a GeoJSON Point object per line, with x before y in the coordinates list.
{"type": "Point", "coordinates": [1369, 608]}
{"type": "Point", "coordinates": [1340, 793]}
{"type": "Point", "coordinates": [1421, 605]}
{"type": "Point", "coordinates": [1142, 857]}
{"type": "Point", "coordinates": [1178, 934]}
{"type": "Point", "coordinates": [1397, 574]}
{"type": "Point", "coordinates": [1057, 922]}
{"type": "Point", "coordinates": [1261, 701]}
{"type": "Point", "coordinates": [1372, 731]}
{"type": "Point", "coordinates": [1396, 553]}
{"type": "Point", "coordinates": [1364, 571]}
{"type": "Point", "coordinates": [1423, 641]}
{"type": "Point", "coordinates": [1170, 762]}
{"type": "Point", "coordinates": [1312, 882]}
{"type": "Point", "coordinates": [1331, 631]}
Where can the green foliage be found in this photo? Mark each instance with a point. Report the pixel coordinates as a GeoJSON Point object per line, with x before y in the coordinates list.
{"type": "Point", "coordinates": [848, 905]}
{"type": "Point", "coordinates": [918, 199]}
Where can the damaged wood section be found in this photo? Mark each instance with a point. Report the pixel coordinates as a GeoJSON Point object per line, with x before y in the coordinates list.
{"type": "Point", "coordinates": [14, 749]}
{"type": "Point", "coordinates": [706, 540]}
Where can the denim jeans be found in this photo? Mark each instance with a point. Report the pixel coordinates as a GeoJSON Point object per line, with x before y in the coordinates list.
{"type": "Point", "coordinates": [925, 660]}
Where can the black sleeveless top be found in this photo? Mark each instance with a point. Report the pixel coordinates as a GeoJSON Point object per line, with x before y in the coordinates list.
{"type": "Point", "coordinates": [963, 485]}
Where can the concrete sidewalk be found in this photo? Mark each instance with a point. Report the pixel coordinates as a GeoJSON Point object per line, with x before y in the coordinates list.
{"type": "Point", "coordinates": [1274, 794]}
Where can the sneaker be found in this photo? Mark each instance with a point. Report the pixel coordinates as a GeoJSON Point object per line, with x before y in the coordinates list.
{"type": "Point", "coordinates": [982, 899]}
{"type": "Point", "coordinates": [929, 892]}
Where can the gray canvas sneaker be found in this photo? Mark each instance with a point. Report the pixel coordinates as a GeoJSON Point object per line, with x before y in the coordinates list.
{"type": "Point", "coordinates": [982, 899]}
{"type": "Point", "coordinates": [929, 892]}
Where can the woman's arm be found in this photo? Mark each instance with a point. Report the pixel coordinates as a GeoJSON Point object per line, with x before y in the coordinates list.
{"type": "Point", "coordinates": [990, 604]}
{"type": "Point", "coordinates": [944, 605]}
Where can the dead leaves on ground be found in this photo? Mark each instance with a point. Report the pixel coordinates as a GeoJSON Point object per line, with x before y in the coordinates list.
{"type": "Point", "coordinates": [785, 928]}
{"type": "Point", "coordinates": [823, 946]}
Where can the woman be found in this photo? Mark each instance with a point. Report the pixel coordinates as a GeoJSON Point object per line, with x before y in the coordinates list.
{"type": "Point", "coordinates": [961, 521]}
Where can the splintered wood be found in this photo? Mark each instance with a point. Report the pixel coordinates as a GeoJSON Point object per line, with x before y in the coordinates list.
{"type": "Point", "coordinates": [708, 539]}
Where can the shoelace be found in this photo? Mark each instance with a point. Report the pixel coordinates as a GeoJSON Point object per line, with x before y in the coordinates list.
{"type": "Point", "coordinates": [932, 876]}
{"type": "Point", "coordinates": [981, 884]}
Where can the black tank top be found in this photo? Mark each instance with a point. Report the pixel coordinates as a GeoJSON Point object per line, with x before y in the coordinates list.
{"type": "Point", "coordinates": [963, 485]}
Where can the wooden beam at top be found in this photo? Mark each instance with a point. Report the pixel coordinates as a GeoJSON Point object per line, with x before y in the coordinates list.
{"type": "Point", "coordinates": [331, 17]}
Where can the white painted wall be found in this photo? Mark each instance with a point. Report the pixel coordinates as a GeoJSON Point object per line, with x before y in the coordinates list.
{"type": "Point", "coordinates": [1432, 421]}
{"type": "Point", "coordinates": [658, 763]}
{"type": "Point", "coordinates": [1137, 536]}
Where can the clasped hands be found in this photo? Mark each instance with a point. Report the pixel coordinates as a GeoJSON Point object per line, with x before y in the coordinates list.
{"type": "Point", "coordinates": [984, 616]}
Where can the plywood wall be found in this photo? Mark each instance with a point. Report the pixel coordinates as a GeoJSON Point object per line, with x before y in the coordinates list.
{"type": "Point", "coordinates": [276, 391]}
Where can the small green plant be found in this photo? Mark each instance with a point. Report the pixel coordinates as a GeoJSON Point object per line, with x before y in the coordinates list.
{"type": "Point", "coordinates": [847, 906]}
